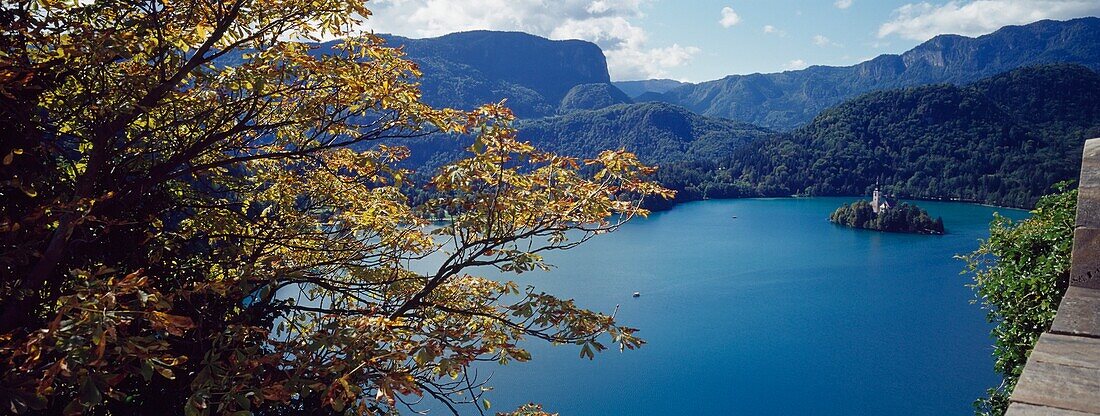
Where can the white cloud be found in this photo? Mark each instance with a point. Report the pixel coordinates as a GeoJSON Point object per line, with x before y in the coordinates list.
{"type": "Point", "coordinates": [610, 32]}
{"type": "Point", "coordinates": [796, 64]}
{"type": "Point", "coordinates": [729, 17]}
{"type": "Point", "coordinates": [822, 41]}
{"type": "Point", "coordinates": [624, 44]}
{"type": "Point", "coordinates": [599, 6]}
{"type": "Point", "coordinates": [772, 30]}
{"type": "Point", "coordinates": [649, 63]}
{"type": "Point", "coordinates": [608, 23]}
{"type": "Point", "coordinates": [425, 18]}
{"type": "Point", "coordinates": [922, 21]}
{"type": "Point", "coordinates": [843, 4]}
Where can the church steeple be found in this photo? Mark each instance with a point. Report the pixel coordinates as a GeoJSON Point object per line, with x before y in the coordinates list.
{"type": "Point", "coordinates": [875, 204]}
{"type": "Point", "coordinates": [879, 203]}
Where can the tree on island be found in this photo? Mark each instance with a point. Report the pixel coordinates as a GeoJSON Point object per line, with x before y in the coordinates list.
{"type": "Point", "coordinates": [902, 218]}
{"type": "Point", "coordinates": [173, 170]}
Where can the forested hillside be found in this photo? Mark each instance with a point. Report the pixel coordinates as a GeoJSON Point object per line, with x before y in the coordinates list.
{"type": "Point", "coordinates": [592, 97]}
{"type": "Point", "coordinates": [657, 132]}
{"type": "Point", "coordinates": [1004, 140]}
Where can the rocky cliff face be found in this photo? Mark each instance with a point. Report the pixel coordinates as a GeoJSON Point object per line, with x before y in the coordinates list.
{"type": "Point", "coordinates": [467, 69]}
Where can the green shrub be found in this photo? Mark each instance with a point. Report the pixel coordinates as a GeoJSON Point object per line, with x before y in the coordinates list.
{"type": "Point", "coordinates": [1020, 274]}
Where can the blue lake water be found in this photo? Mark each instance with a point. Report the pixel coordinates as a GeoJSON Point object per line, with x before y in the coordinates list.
{"type": "Point", "coordinates": [776, 312]}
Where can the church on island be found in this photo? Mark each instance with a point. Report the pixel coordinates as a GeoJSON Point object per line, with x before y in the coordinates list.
{"type": "Point", "coordinates": [883, 213]}
{"type": "Point", "coordinates": [879, 204]}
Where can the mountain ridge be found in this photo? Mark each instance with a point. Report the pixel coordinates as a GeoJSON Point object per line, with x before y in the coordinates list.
{"type": "Point", "coordinates": [1003, 140]}
{"type": "Point", "coordinates": [636, 88]}
{"type": "Point", "coordinates": [787, 99]}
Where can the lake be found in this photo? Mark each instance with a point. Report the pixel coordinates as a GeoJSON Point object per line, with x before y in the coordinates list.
{"type": "Point", "coordinates": [776, 312]}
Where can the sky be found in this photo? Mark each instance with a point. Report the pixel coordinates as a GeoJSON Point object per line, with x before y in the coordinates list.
{"type": "Point", "coordinates": [699, 40]}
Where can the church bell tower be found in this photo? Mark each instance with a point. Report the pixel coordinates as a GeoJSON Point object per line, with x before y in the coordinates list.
{"type": "Point", "coordinates": [875, 204]}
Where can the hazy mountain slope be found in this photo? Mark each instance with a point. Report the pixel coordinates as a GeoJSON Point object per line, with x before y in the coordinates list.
{"type": "Point", "coordinates": [786, 100]}
{"type": "Point", "coordinates": [636, 88]}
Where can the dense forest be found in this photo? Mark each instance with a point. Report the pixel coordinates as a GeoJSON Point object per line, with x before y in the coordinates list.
{"type": "Point", "coordinates": [1004, 140]}
{"type": "Point", "coordinates": [903, 218]}
{"type": "Point", "coordinates": [657, 132]}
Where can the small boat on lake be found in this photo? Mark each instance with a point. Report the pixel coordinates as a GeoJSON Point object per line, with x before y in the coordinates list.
{"type": "Point", "coordinates": [637, 294]}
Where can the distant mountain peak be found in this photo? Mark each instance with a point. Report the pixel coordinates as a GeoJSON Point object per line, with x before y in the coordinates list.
{"type": "Point", "coordinates": [633, 89]}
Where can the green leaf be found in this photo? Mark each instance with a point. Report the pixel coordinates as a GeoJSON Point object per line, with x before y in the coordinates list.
{"type": "Point", "coordinates": [73, 408]}
{"type": "Point", "coordinates": [89, 393]}
{"type": "Point", "coordinates": [338, 404]}
{"type": "Point", "coordinates": [586, 351]}
{"type": "Point", "coordinates": [191, 410]}
{"type": "Point", "coordinates": [423, 356]}
{"type": "Point", "coordinates": [146, 370]}
{"type": "Point", "coordinates": [243, 403]}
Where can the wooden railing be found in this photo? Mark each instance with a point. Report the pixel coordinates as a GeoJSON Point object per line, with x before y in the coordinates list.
{"type": "Point", "coordinates": [1062, 375]}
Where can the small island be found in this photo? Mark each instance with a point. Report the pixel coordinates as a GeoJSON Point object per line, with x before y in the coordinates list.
{"type": "Point", "coordinates": [880, 215]}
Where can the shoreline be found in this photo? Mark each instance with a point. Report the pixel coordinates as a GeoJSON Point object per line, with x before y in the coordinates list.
{"type": "Point", "coordinates": [674, 204]}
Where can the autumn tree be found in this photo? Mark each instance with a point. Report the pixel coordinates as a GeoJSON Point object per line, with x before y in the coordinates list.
{"type": "Point", "coordinates": [204, 215]}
